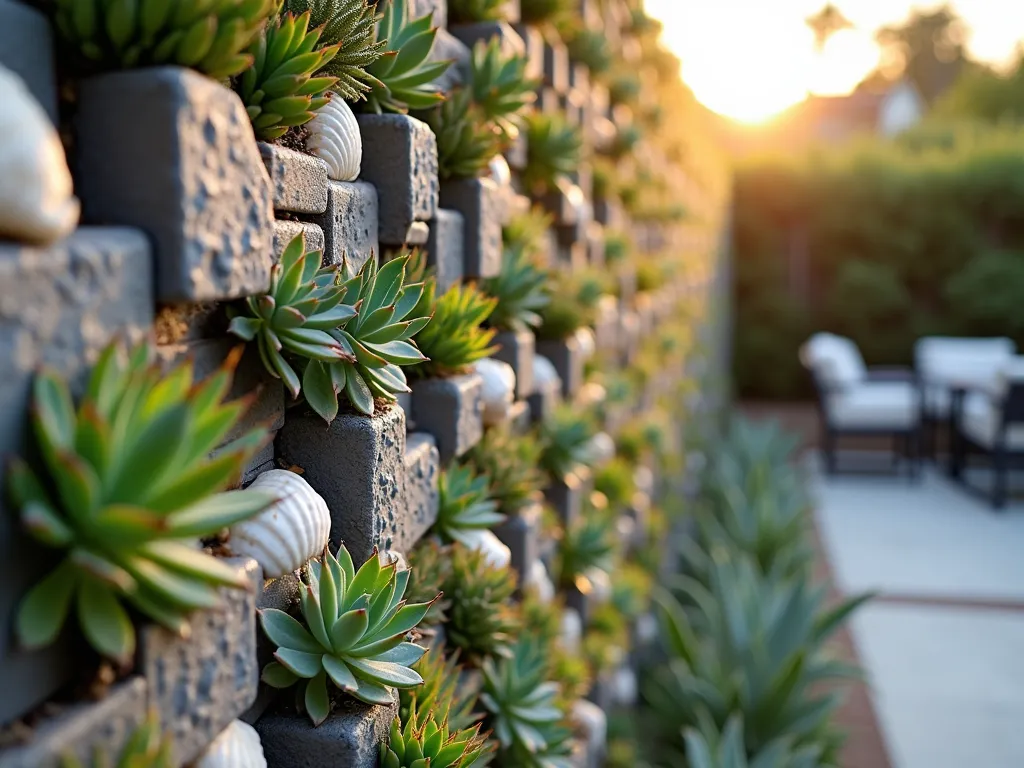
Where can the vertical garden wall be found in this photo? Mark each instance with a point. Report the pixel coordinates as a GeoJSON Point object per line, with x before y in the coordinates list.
{"type": "Point", "coordinates": [296, 295]}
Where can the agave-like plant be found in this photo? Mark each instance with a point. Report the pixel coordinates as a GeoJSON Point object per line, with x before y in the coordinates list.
{"type": "Point", "coordinates": [588, 46]}
{"type": "Point", "coordinates": [566, 440]}
{"type": "Point", "coordinates": [527, 232]}
{"type": "Point", "coordinates": [455, 339]}
{"type": "Point", "coordinates": [510, 463]}
{"type": "Point", "coordinates": [279, 90]}
{"type": "Point", "coordinates": [466, 140]}
{"type": "Point", "coordinates": [146, 748]}
{"type": "Point", "coordinates": [586, 544]}
{"type": "Point", "coordinates": [404, 76]}
{"type": "Point", "coordinates": [707, 748]}
{"type": "Point", "coordinates": [541, 11]}
{"type": "Point", "coordinates": [520, 290]}
{"type": "Point", "coordinates": [444, 689]}
{"type": "Point", "coordinates": [428, 742]}
{"type": "Point", "coordinates": [123, 483]}
{"type": "Point", "coordinates": [349, 25]}
{"type": "Point", "coordinates": [572, 306]}
{"type": "Point", "coordinates": [207, 35]}
{"type": "Point", "coordinates": [616, 480]}
{"type": "Point", "coordinates": [430, 565]}
{"type": "Point", "coordinates": [464, 504]}
{"type": "Point", "coordinates": [355, 630]}
{"type": "Point", "coordinates": [472, 11]}
{"type": "Point", "coordinates": [481, 623]}
{"type": "Point", "coordinates": [500, 87]}
{"type": "Point", "coordinates": [553, 149]}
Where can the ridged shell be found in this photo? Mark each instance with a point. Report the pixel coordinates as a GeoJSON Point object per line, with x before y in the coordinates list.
{"type": "Point", "coordinates": [284, 536]}
{"type": "Point", "coordinates": [499, 389]}
{"type": "Point", "coordinates": [498, 555]}
{"type": "Point", "coordinates": [544, 372]}
{"type": "Point", "coordinates": [36, 200]}
{"type": "Point", "coordinates": [334, 137]}
{"type": "Point", "coordinates": [237, 746]}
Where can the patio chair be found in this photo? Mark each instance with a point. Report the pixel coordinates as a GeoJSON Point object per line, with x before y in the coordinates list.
{"type": "Point", "coordinates": [856, 401]}
{"type": "Point", "coordinates": [990, 421]}
{"type": "Point", "coordinates": [945, 362]}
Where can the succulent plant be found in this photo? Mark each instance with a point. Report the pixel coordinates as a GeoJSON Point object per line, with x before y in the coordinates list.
{"type": "Point", "coordinates": [500, 87]}
{"type": "Point", "coordinates": [527, 232]}
{"type": "Point", "coordinates": [145, 748]}
{"type": "Point", "coordinates": [471, 11]}
{"type": "Point", "coordinates": [565, 442]}
{"type": "Point", "coordinates": [572, 306]}
{"type": "Point", "coordinates": [454, 338]}
{"type": "Point", "coordinates": [553, 149]}
{"type": "Point", "coordinates": [617, 248]}
{"type": "Point", "coordinates": [624, 87]}
{"type": "Point", "coordinates": [707, 748]}
{"type": "Point", "coordinates": [586, 544]}
{"type": "Point", "coordinates": [631, 590]}
{"type": "Point", "coordinates": [426, 742]}
{"type": "Point", "coordinates": [121, 486]}
{"type": "Point", "coordinates": [587, 46]}
{"type": "Point", "coordinates": [464, 504]}
{"type": "Point", "coordinates": [207, 35]}
{"type": "Point", "coordinates": [429, 566]}
{"type": "Point", "coordinates": [355, 630]}
{"type": "Point", "coordinates": [481, 623]}
{"type": "Point", "coordinates": [519, 290]}
{"type": "Point", "coordinates": [279, 90]}
{"type": "Point", "coordinates": [404, 75]}
{"type": "Point", "coordinates": [466, 140]}
{"type": "Point", "coordinates": [616, 481]}
{"type": "Point", "coordinates": [349, 25]}
{"type": "Point", "coordinates": [540, 11]}
{"type": "Point", "coordinates": [444, 689]}
{"type": "Point", "coordinates": [510, 463]}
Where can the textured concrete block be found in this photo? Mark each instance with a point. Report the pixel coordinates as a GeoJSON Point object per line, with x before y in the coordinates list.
{"type": "Point", "coordinates": [281, 593]}
{"type": "Point", "coordinates": [285, 230]}
{"type": "Point", "coordinates": [566, 496]}
{"type": "Point", "coordinates": [567, 358]}
{"type": "Point", "coordinates": [199, 685]}
{"type": "Point", "coordinates": [357, 464]}
{"type": "Point", "coordinates": [451, 410]}
{"type": "Point", "coordinates": [400, 159]}
{"type": "Point", "coordinates": [350, 223]}
{"type": "Point", "coordinates": [438, 9]}
{"type": "Point", "coordinates": [422, 467]}
{"type": "Point", "coordinates": [259, 464]}
{"type": "Point", "coordinates": [516, 154]}
{"type": "Point", "coordinates": [480, 203]}
{"type": "Point", "coordinates": [350, 737]}
{"type": "Point", "coordinates": [556, 65]}
{"type": "Point", "coordinates": [59, 306]}
{"type": "Point", "coordinates": [470, 34]}
{"type": "Point", "coordinates": [608, 211]}
{"type": "Point", "coordinates": [518, 349]}
{"type": "Point", "coordinates": [26, 48]}
{"type": "Point", "coordinates": [606, 324]}
{"type": "Point", "coordinates": [447, 47]}
{"type": "Point", "coordinates": [519, 416]}
{"type": "Point", "coordinates": [445, 247]}
{"type": "Point", "coordinates": [533, 42]}
{"type": "Point", "coordinates": [80, 729]}
{"type": "Point", "coordinates": [298, 181]}
{"type": "Point", "coordinates": [544, 400]}
{"type": "Point", "coordinates": [579, 78]}
{"type": "Point", "coordinates": [521, 534]}
{"type": "Point", "coordinates": [172, 152]}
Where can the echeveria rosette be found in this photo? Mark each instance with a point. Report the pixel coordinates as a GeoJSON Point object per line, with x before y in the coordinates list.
{"type": "Point", "coordinates": [122, 484]}
{"type": "Point", "coordinates": [353, 634]}
{"type": "Point", "coordinates": [464, 505]}
{"type": "Point", "coordinates": [427, 742]}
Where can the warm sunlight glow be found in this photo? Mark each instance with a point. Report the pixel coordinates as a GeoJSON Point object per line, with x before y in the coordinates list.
{"type": "Point", "coordinates": [848, 56]}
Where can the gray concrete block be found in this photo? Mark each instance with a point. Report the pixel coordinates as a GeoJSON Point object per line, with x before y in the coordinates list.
{"type": "Point", "coordinates": [439, 9]}
{"type": "Point", "coordinates": [451, 410]}
{"type": "Point", "coordinates": [447, 47]}
{"type": "Point", "coordinates": [26, 48]}
{"type": "Point", "coordinates": [471, 34]}
{"type": "Point", "coordinates": [608, 211]}
{"type": "Point", "coordinates": [259, 464]}
{"type": "Point", "coordinates": [579, 77]}
{"type": "Point", "coordinates": [516, 154]}
{"type": "Point", "coordinates": [79, 729]}
{"type": "Point", "coordinates": [357, 464]}
{"type": "Point", "coordinates": [285, 230]}
{"type": "Point", "coordinates": [519, 417]}
{"type": "Point", "coordinates": [543, 401]}
{"type": "Point", "coordinates": [418, 234]}
{"type": "Point", "coordinates": [521, 534]}
{"type": "Point", "coordinates": [533, 42]}
{"type": "Point", "coordinates": [579, 601]}
{"type": "Point", "coordinates": [422, 467]}
{"type": "Point", "coordinates": [606, 324]}
{"type": "Point", "coordinates": [199, 685]}
{"type": "Point", "coordinates": [400, 159]}
{"type": "Point", "coordinates": [549, 101]}
{"type": "Point", "coordinates": [445, 248]}
{"type": "Point", "coordinates": [556, 65]}
{"type": "Point", "coordinates": [172, 152]}
{"type": "Point", "coordinates": [566, 496]}
{"type": "Point", "coordinates": [281, 593]}
{"type": "Point", "coordinates": [298, 181]}
{"type": "Point", "coordinates": [351, 737]}
{"type": "Point", "coordinates": [350, 223]}
{"type": "Point", "coordinates": [480, 203]}
{"type": "Point", "coordinates": [517, 349]}
{"type": "Point", "coordinates": [567, 358]}
{"type": "Point", "coordinates": [59, 306]}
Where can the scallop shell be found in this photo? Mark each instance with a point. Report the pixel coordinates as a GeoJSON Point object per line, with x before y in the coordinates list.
{"type": "Point", "coordinates": [284, 536]}
{"type": "Point", "coordinates": [499, 388]}
{"type": "Point", "coordinates": [37, 203]}
{"type": "Point", "coordinates": [334, 137]}
{"type": "Point", "coordinates": [544, 373]}
{"type": "Point", "coordinates": [237, 746]}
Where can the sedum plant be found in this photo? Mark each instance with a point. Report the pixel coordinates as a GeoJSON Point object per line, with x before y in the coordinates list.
{"type": "Point", "coordinates": [122, 485]}
{"type": "Point", "coordinates": [354, 634]}
{"type": "Point", "coordinates": [586, 544]}
{"type": "Point", "coordinates": [349, 26]}
{"type": "Point", "coordinates": [464, 505]}
{"type": "Point", "coordinates": [429, 566]}
{"type": "Point", "coordinates": [466, 140]}
{"type": "Point", "coordinates": [209, 36]}
{"type": "Point", "coordinates": [481, 623]}
{"type": "Point", "coordinates": [565, 441]}
{"type": "Point", "coordinates": [510, 463]}
{"type": "Point", "coordinates": [527, 231]}
{"type": "Point", "coordinates": [427, 742]}
{"type": "Point", "coordinates": [279, 90]}
{"type": "Point", "coordinates": [472, 11]}
{"type": "Point", "coordinates": [520, 291]}
{"type": "Point", "coordinates": [146, 748]}
{"type": "Point", "coordinates": [454, 338]}
{"type": "Point", "coordinates": [500, 88]}
{"type": "Point", "coordinates": [553, 149]}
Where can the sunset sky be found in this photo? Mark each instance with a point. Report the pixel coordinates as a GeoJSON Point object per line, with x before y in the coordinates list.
{"type": "Point", "coordinates": [750, 59]}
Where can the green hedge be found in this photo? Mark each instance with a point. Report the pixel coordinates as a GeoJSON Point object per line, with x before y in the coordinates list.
{"type": "Point", "coordinates": [888, 241]}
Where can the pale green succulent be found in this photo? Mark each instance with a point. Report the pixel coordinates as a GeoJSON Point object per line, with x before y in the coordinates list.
{"type": "Point", "coordinates": [707, 748]}
{"type": "Point", "coordinates": [455, 339]}
{"type": "Point", "coordinates": [586, 544]}
{"type": "Point", "coordinates": [464, 505]}
{"type": "Point", "coordinates": [500, 88]}
{"type": "Point", "coordinates": [426, 742]}
{"type": "Point", "coordinates": [472, 11]}
{"type": "Point", "coordinates": [429, 564]}
{"type": "Point", "coordinates": [124, 486]}
{"type": "Point", "coordinates": [444, 689]}
{"type": "Point", "coordinates": [520, 290]}
{"type": "Point", "coordinates": [354, 634]}
{"type": "Point", "coordinates": [510, 463]}
{"type": "Point", "coordinates": [566, 440]}
{"type": "Point", "coordinates": [481, 622]}
{"type": "Point", "coordinates": [146, 748]}
{"type": "Point", "coordinates": [553, 150]}
{"type": "Point", "coordinates": [466, 140]}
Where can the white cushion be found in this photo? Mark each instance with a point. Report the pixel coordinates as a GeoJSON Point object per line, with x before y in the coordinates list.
{"type": "Point", "coordinates": [835, 360]}
{"type": "Point", "coordinates": [875, 405]}
{"type": "Point", "coordinates": [943, 362]}
{"type": "Point", "coordinates": [982, 416]}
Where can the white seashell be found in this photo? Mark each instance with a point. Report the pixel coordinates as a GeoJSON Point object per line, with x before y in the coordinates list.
{"type": "Point", "coordinates": [602, 448]}
{"type": "Point", "coordinates": [37, 202]}
{"type": "Point", "coordinates": [334, 137]}
{"type": "Point", "coordinates": [600, 584]}
{"type": "Point", "coordinates": [544, 373]}
{"type": "Point", "coordinates": [540, 582]}
{"type": "Point", "coordinates": [499, 389]}
{"type": "Point", "coordinates": [284, 536]}
{"type": "Point", "coordinates": [593, 724]}
{"type": "Point", "coordinates": [643, 478]}
{"type": "Point", "coordinates": [624, 687]}
{"type": "Point", "coordinates": [237, 746]}
{"type": "Point", "coordinates": [500, 172]}
{"type": "Point", "coordinates": [587, 342]}
{"type": "Point", "coordinates": [496, 553]}
{"type": "Point", "coordinates": [571, 635]}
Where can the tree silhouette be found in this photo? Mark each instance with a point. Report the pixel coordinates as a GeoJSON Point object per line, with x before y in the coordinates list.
{"type": "Point", "coordinates": [929, 49]}
{"type": "Point", "coordinates": [826, 23]}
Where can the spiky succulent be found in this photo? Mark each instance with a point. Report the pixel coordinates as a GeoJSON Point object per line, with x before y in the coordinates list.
{"type": "Point", "coordinates": [540, 11]}
{"type": "Point", "coordinates": [355, 630]}
{"type": "Point", "coordinates": [588, 46]}
{"type": "Point", "coordinates": [500, 87]}
{"type": "Point", "coordinates": [444, 689]}
{"type": "Point", "coordinates": [279, 90]}
{"type": "Point", "coordinates": [522, 711]}
{"type": "Point", "coordinates": [351, 26]}
{"type": "Point", "coordinates": [472, 11]}
{"type": "Point", "coordinates": [586, 544]}
{"type": "Point", "coordinates": [466, 140]}
{"type": "Point", "coordinates": [121, 487]}
{"type": "Point", "coordinates": [146, 748]}
{"type": "Point", "coordinates": [464, 504]}
{"type": "Point", "coordinates": [527, 231]}
{"type": "Point", "coordinates": [553, 148]}
{"type": "Point", "coordinates": [572, 306]}
{"type": "Point", "coordinates": [481, 623]}
{"type": "Point", "coordinates": [565, 441]}
{"type": "Point", "coordinates": [455, 339]}
{"type": "Point", "coordinates": [707, 748]}
{"type": "Point", "coordinates": [615, 479]}
{"type": "Point", "coordinates": [426, 742]}
{"type": "Point", "coordinates": [430, 564]}
{"type": "Point", "coordinates": [404, 76]}
{"type": "Point", "coordinates": [207, 35]}
{"type": "Point", "coordinates": [510, 463]}
{"type": "Point", "coordinates": [519, 290]}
